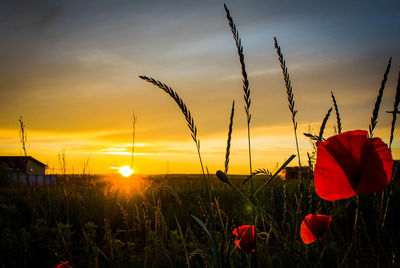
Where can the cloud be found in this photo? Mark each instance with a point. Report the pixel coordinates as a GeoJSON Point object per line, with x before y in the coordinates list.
{"type": "Point", "coordinates": [253, 74]}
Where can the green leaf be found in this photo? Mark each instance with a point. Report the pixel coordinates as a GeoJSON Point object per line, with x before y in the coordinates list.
{"type": "Point", "coordinates": [213, 247]}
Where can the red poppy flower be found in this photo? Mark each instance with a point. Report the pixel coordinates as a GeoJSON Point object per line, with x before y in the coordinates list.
{"type": "Point", "coordinates": [350, 164]}
{"type": "Point", "coordinates": [245, 238]}
{"type": "Point", "coordinates": [313, 227]}
{"type": "Point", "coordinates": [63, 265]}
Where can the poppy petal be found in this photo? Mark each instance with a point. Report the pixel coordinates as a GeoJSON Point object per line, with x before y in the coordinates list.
{"type": "Point", "coordinates": [319, 224]}
{"type": "Point", "coordinates": [237, 243]}
{"type": "Point", "coordinates": [347, 149]}
{"type": "Point", "coordinates": [377, 167]}
{"type": "Point", "coordinates": [245, 238]}
{"type": "Point", "coordinates": [351, 163]}
{"type": "Point", "coordinates": [306, 235]}
{"type": "Point", "coordinates": [63, 265]}
{"type": "Point", "coordinates": [313, 227]}
{"type": "Point", "coordinates": [331, 182]}
{"type": "Point", "coordinates": [235, 232]}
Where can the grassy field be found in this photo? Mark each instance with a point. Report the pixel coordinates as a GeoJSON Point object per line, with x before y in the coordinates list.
{"type": "Point", "coordinates": [189, 220]}
{"type": "Point", "coordinates": [147, 222]}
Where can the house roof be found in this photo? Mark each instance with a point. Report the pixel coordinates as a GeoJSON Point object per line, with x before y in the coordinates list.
{"type": "Point", "coordinates": [18, 160]}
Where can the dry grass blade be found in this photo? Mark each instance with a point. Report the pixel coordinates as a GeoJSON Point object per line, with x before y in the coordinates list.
{"type": "Point", "coordinates": [321, 130]}
{"type": "Point", "coordinates": [238, 42]}
{"type": "Point", "coordinates": [228, 142]}
{"type": "Point", "coordinates": [374, 118]}
{"type": "Point", "coordinates": [339, 122]}
{"type": "Point", "coordinates": [395, 111]}
{"type": "Point", "coordinates": [289, 91]}
{"type": "Point", "coordinates": [181, 104]}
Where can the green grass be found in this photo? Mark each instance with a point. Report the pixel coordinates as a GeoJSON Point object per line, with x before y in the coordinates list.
{"type": "Point", "coordinates": [93, 224]}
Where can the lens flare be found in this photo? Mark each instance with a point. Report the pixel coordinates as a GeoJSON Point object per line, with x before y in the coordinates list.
{"type": "Point", "coordinates": [125, 171]}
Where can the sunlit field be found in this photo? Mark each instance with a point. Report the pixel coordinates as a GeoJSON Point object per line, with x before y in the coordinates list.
{"type": "Point", "coordinates": [333, 206]}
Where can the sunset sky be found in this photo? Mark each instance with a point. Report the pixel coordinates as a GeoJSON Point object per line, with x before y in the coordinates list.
{"type": "Point", "coordinates": [70, 68]}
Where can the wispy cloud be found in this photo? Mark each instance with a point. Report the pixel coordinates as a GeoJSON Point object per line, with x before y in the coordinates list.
{"type": "Point", "coordinates": [252, 74]}
{"type": "Point", "coordinates": [124, 153]}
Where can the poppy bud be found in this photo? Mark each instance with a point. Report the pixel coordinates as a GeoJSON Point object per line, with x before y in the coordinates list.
{"type": "Point", "coordinates": [222, 176]}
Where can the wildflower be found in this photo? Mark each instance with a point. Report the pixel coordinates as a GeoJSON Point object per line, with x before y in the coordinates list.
{"type": "Point", "coordinates": [313, 227]}
{"type": "Point", "coordinates": [350, 164]}
{"type": "Point", "coordinates": [245, 238]}
{"type": "Point", "coordinates": [63, 265]}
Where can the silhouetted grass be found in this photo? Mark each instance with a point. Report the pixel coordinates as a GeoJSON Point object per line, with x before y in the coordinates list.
{"type": "Point", "coordinates": [289, 91]}
{"type": "Point", "coordinates": [150, 226]}
{"type": "Point", "coordinates": [338, 121]}
{"type": "Point", "coordinates": [395, 110]}
{"type": "Point", "coordinates": [228, 141]}
{"type": "Point", "coordinates": [322, 128]}
{"type": "Point", "coordinates": [246, 87]}
{"type": "Point", "coordinates": [375, 112]}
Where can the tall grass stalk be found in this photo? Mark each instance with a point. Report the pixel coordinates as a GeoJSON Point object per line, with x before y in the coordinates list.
{"type": "Point", "coordinates": [228, 141]}
{"type": "Point", "coordinates": [246, 87]}
{"type": "Point", "coordinates": [339, 122]}
{"type": "Point", "coordinates": [182, 237]}
{"type": "Point", "coordinates": [389, 195]}
{"type": "Point", "coordinates": [322, 128]}
{"type": "Point", "coordinates": [284, 200]}
{"type": "Point", "coordinates": [289, 91]}
{"type": "Point", "coordinates": [85, 168]}
{"type": "Point", "coordinates": [375, 112]}
{"type": "Point", "coordinates": [389, 190]}
{"type": "Point", "coordinates": [188, 116]}
{"type": "Point", "coordinates": [133, 137]}
{"type": "Point", "coordinates": [62, 161]}
{"type": "Point", "coordinates": [395, 111]}
{"type": "Point", "coordinates": [65, 185]}
{"type": "Point", "coordinates": [22, 136]}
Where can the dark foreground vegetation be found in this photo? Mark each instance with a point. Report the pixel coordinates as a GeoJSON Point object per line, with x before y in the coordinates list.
{"type": "Point", "coordinates": [194, 220]}
{"type": "Point", "coordinates": [147, 222]}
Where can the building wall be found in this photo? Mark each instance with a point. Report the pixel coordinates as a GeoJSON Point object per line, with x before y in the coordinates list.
{"type": "Point", "coordinates": [291, 173]}
{"type": "Point", "coordinates": [35, 168]}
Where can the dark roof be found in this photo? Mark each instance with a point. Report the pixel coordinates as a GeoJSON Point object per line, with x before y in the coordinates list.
{"type": "Point", "coordinates": [18, 160]}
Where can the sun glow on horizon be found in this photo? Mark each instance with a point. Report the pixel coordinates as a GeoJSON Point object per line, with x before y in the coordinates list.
{"type": "Point", "coordinates": [125, 171]}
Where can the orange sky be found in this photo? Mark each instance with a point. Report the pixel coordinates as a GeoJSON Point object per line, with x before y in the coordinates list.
{"type": "Point", "coordinates": [71, 70]}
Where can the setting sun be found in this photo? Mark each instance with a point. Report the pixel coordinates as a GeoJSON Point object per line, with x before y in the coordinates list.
{"type": "Point", "coordinates": [126, 171]}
